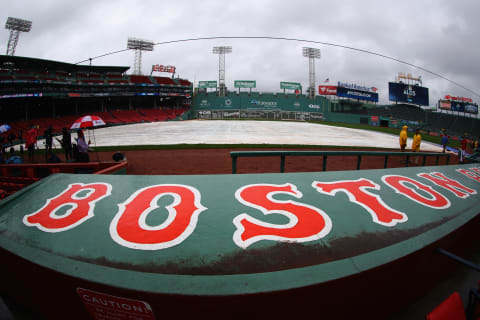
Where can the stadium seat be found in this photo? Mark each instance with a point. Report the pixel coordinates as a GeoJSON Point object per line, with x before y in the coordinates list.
{"type": "Point", "coordinates": [184, 82]}
{"type": "Point", "coordinates": [165, 80]}
{"type": "Point", "coordinates": [140, 79]}
{"type": "Point", "coordinates": [450, 309]}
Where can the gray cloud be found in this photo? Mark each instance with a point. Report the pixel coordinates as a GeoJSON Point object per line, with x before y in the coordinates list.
{"type": "Point", "coordinates": [438, 35]}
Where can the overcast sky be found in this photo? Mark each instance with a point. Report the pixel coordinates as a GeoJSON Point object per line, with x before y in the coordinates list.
{"type": "Point", "coordinates": [442, 36]}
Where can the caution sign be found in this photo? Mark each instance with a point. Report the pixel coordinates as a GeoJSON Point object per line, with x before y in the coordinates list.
{"type": "Point", "coordinates": [102, 306]}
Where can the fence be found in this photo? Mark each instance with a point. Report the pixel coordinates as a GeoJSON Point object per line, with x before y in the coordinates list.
{"type": "Point", "coordinates": [325, 154]}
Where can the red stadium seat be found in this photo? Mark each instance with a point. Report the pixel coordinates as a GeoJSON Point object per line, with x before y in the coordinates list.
{"type": "Point", "coordinates": [184, 82]}
{"type": "Point", "coordinates": [165, 80]}
{"type": "Point", "coordinates": [450, 309]}
{"type": "Point", "coordinates": [140, 79]}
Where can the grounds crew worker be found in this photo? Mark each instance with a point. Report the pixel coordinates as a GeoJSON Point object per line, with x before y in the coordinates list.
{"type": "Point", "coordinates": [403, 138]}
{"type": "Point", "coordinates": [417, 139]}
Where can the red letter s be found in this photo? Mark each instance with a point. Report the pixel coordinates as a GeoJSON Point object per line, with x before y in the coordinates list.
{"type": "Point", "coordinates": [306, 223]}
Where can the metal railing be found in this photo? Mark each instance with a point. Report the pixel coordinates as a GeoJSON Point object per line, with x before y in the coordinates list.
{"type": "Point", "coordinates": [325, 154]}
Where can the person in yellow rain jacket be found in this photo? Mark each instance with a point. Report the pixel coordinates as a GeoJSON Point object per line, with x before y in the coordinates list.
{"type": "Point", "coordinates": [417, 139]}
{"type": "Point", "coordinates": [403, 138]}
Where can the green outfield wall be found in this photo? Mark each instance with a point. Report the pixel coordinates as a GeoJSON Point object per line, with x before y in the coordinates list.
{"type": "Point", "coordinates": [278, 106]}
{"type": "Point", "coordinates": [260, 101]}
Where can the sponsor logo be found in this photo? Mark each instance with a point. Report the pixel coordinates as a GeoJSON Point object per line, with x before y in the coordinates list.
{"type": "Point", "coordinates": [270, 104]}
{"type": "Point", "coordinates": [409, 91]}
{"type": "Point", "coordinates": [449, 97]}
{"type": "Point", "coordinates": [231, 114]}
{"type": "Point", "coordinates": [359, 94]}
{"type": "Point", "coordinates": [228, 102]}
{"type": "Point", "coordinates": [356, 86]}
{"type": "Point", "coordinates": [314, 106]}
{"type": "Point", "coordinates": [327, 90]}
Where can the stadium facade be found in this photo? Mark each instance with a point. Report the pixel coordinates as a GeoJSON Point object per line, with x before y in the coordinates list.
{"type": "Point", "coordinates": [33, 88]}
{"type": "Point", "coordinates": [36, 88]}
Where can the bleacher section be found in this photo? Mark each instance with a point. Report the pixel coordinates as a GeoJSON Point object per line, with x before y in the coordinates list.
{"type": "Point", "coordinates": [113, 78]}
{"type": "Point", "coordinates": [127, 116]}
{"type": "Point", "coordinates": [111, 118]}
{"type": "Point", "coordinates": [184, 82]}
{"type": "Point", "coordinates": [456, 125]}
{"type": "Point", "coordinates": [10, 185]}
{"type": "Point", "coordinates": [140, 79]}
{"type": "Point", "coordinates": [164, 80]}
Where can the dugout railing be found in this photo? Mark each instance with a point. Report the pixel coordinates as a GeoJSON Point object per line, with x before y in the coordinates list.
{"type": "Point", "coordinates": [326, 154]}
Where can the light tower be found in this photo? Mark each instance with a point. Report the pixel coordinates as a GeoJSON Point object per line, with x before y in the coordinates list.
{"type": "Point", "coordinates": [221, 51]}
{"type": "Point", "coordinates": [16, 26]}
{"type": "Point", "coordinates": [139, 45]}
{"type": "Point", "coordinates": [312, 54]}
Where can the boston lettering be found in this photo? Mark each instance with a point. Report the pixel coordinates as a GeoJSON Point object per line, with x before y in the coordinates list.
{"type": "Point", "coordinates": [304, 222]}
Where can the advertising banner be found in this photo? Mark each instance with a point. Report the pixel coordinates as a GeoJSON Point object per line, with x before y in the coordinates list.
{"type": "Point", "coordinates": [207, 84]}
{"type": "Point", "coordinates": [445, 105]}
{"type": "Point", "coordinates": [327, 90]}
{"type": "Point", "coordinates": [356, 86]}
{"type": "Point", "coordinates": [162, 68]}
{"type": "Point", "coordinates": [464, 107]}
{"type": "Point", "coordinates": [245, 84]}
{"type": "Point", "coordinates": [449, 97]}
{"type": "Point", "coordinates": [290, 85]}
{"type": "Point", "coordinates": [402, 92]}
{"type": "Point", "coordinates": [357, 94]}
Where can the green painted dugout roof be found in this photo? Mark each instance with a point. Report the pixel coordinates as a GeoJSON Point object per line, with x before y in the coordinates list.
{"type": "Point", "coordinates": [239, 235]}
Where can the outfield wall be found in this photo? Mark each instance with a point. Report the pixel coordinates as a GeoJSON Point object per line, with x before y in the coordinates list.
{"type": "Point", "coordinates": [260, 101]}
{"type": "Point", "coordinates": [279, 106]}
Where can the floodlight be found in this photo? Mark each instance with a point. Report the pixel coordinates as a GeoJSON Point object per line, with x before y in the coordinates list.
{"type": "Point", "coordinates": [144, 45]}
{"type": "Point", "coordinates": [311, 54]}
{"type": "Point", "coordinates": [221, 51]}
{"type": "Point", "coordinates": [139, 45]}
{"type": "Point", "coordinates": [16, 25]}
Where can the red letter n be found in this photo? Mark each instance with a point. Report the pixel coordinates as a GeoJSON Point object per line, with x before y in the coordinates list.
{"type": "Point", "coordinates": [451, 185]}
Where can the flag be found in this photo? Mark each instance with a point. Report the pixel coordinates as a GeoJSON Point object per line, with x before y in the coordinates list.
{"type": "Point", "coordinates": [326, 80]}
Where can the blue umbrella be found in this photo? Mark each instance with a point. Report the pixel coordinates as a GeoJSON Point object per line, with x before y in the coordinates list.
{"type": "Point", "coordinates": [4, 128]}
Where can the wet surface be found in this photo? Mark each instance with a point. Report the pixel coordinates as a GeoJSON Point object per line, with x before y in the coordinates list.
{"type": "Point", "coordinates": [243, 132]}
{"type": "Point", "coordinates": [281, 256]}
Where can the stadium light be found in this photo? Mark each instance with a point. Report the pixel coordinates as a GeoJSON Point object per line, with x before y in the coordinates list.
{"type": "Point", "coordinates": [221, 51]}
{"type": "Point", "coordinates": [16, 25]}
{"type": "Point", "coordinates": [311, 54]}
{"type": "Point", "coordinates": [139, 45]}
